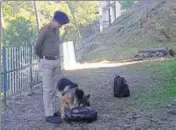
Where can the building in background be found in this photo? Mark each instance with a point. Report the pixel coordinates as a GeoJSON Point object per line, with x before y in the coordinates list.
{"type": "Point", "coordinates": [109, 11]}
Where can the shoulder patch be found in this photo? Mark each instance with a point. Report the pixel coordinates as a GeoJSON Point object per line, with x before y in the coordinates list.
{"type": "Point", "coordinates": [46, 30]}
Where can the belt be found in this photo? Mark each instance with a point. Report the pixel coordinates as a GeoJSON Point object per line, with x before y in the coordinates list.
{"type": "Point", "coordinates": [50, 57]}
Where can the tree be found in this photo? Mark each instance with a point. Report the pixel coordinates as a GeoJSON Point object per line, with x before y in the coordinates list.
{"type": "Point", "coordinates": [125, 4]}
{"type": "Point", "coordinates": [84, 12]}
{"type": "Point", "coordinates": [2, 25]}
{"type": "Point", "coordinates": [19, 32]}
{"type": "Point", "coordinates": [36, 15]}
{"type": "Point", "coordinates": [75, 22]}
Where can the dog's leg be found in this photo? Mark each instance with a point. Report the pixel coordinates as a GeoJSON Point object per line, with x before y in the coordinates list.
{"type": "Point", "coordinates": [73, 105]}
{"type": "Point", "coordinates": [62, 106]}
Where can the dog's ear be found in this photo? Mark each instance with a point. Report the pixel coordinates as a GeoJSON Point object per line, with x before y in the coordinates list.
{"type": "Point", "coordinates": [88, 96]}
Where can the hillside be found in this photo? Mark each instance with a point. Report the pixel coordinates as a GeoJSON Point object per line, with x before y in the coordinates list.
{"type": "Point", "coordinates": [145, 23]}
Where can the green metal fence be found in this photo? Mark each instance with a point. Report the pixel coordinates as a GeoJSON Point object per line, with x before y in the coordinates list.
{"type": "Point", "coordinates": [19, 69]}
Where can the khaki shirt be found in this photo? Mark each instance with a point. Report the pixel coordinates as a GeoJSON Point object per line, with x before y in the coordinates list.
{"type": "Point", "coordinates": [47, 43]}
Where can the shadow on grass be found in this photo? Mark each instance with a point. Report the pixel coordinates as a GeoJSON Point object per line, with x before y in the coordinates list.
{"type": "Point", "coordinates": [163, 90]}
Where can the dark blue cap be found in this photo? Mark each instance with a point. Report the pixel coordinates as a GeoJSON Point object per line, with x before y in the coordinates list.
{"type": "Point", "coordinates": [61, 17]}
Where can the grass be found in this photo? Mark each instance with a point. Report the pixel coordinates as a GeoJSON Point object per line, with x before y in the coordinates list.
{"type": "Point", "coordinates": [124, 51]}
{"type": "Point", "coordinates": [163, 91]}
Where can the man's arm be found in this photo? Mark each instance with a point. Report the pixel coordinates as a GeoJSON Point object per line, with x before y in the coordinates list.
{"type": "Point", "coordinates": [41, 38]}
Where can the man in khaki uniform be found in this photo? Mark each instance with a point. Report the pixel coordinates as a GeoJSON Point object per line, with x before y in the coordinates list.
{"type": "Point", "coordinates": [47, 49]}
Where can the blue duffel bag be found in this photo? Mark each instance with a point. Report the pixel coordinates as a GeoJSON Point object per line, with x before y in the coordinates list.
{"type": "Point", "coordinates": [81, 114]}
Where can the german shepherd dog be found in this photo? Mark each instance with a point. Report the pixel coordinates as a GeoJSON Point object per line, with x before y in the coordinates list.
{"type": "Point", "coordinates": [71, 95]}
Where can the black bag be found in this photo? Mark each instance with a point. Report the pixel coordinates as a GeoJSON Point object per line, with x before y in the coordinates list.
{"type": "Point", "coordinates": [121, 88]}
{"type": "Point", "coordinates": [81, 114]}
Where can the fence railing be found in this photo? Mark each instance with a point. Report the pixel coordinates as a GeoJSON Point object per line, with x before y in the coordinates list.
{"type": "Point", "coordinates": [19, 69]}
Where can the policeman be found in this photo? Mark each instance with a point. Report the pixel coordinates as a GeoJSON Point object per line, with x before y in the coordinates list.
{"type": "Point", "coordinates": [47, 49]}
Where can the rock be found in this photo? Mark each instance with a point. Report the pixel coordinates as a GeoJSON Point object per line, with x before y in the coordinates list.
{"type": "Point", "coordinates": [150, 55]}
{"type": "Point", "coordinates": [137, 55]}
{"type": "Point", "coordinates": [154, 55]}
{"type": "Point", "coordinates": [171, 52]}
{"type": "Point", "coordinates": [145, 55]}
{"type": "Point", "coordinates": [125, 126]}
{"type": "Point", "coordinates": [157, 53]}
{"type": "Point", "coordinates": [172, 112]}
{"type": "Point", "coordinates": [164, 119]}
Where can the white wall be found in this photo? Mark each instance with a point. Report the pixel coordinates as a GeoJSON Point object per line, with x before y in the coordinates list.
{"type": "Point", "coordinates": [118, 11]}
{"type": "Point", "coordinates": [100, 15]}
{"type": "Point", "coordinates": [104, 16]}
{"type": "Point", "coordinates": [67, 54]}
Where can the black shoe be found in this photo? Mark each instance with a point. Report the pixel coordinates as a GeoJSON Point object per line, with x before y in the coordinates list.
{"type": "Point", "coordinates": [53, 119]}
{"type": "Point", "coordinates": [57, 113]}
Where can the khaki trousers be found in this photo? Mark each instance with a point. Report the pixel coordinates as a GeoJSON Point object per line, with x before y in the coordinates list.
{"type": "Point", "coordinates": [51, 73]}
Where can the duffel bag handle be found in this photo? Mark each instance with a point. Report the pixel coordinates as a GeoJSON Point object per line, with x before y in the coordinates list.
{"type": "Point", "coordinates": [78, 108]}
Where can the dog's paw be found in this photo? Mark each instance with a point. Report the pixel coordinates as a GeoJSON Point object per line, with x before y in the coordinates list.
{"type": "Point", "coordinates": [62, 116]}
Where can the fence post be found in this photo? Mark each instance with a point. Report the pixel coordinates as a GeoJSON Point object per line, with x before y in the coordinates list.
{"type": "Point", "coordinates": [5, 74]}
{"type": "Point", "coordinates": [30, 69]}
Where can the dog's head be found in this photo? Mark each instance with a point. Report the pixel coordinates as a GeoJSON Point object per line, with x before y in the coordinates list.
{"type": "Point", "coordinates": [83, 100]}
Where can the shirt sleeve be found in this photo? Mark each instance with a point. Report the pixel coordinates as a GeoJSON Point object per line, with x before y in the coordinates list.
{"type": "Point", "coordinates": [39, 42]}
{"type": "Point", "coordinates": [59, 38]}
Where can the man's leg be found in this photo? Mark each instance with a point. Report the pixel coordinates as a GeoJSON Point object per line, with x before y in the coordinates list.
{"type": "Point", "coordinates": [55, 78]}
{"type": "Point", "coordinates": [48, 93]}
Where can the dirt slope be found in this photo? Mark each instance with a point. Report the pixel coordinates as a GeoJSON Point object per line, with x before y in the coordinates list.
{"type": "Point", "coordinates": [146, 22]}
